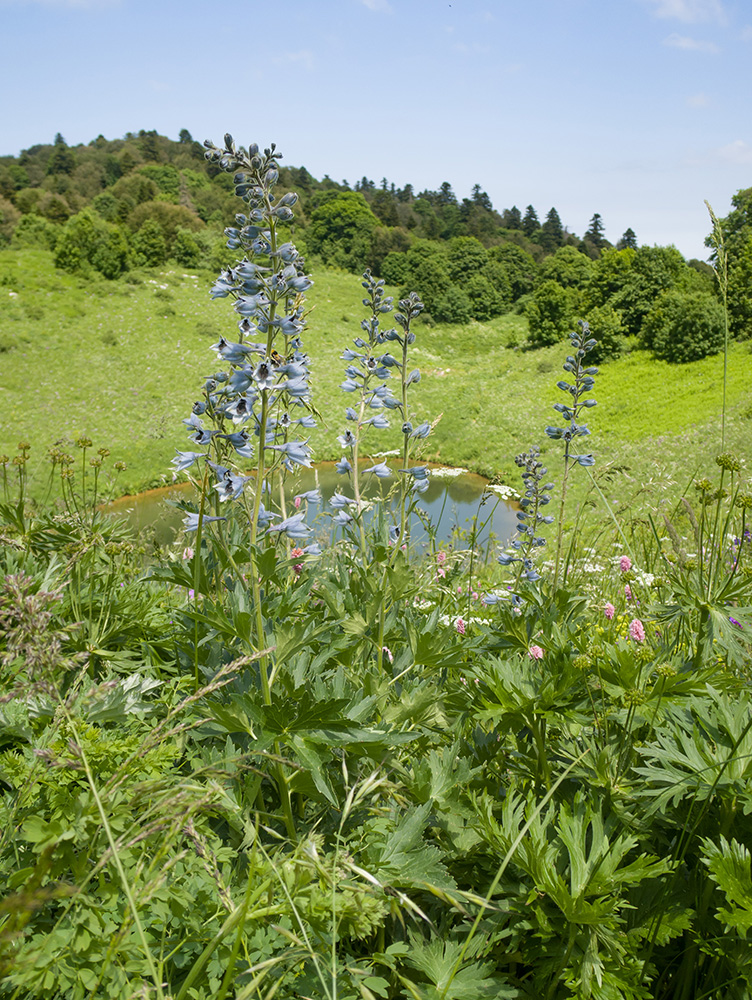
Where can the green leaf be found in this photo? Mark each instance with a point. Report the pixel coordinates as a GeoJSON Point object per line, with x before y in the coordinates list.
{"type": "Point", "coordinates": [729, 865]}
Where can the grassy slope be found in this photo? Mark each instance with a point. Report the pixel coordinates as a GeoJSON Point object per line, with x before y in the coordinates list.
{"type": "Point", "coordinates": [122, 362]}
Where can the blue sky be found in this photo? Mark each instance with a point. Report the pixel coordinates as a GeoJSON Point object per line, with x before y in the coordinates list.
{"type": "Point", "coordinates": [637, 109]}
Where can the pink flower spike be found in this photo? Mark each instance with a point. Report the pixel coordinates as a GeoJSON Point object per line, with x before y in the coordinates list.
{"type": "Point", "coordinates": [625, 564]}
{"type": "Point", "coordinates": [627, 592]}
{"type": "Point", "coordinates": [460, 626]}
{"type": "Point", "coordinates": [535, 653]}
{"type": "Point", "coordinates": [297, 502]}
{"type": "Point", "coordinates": [609, 611]}
{"type": "Point", "coordinates": [441, 571]}
{"type": "Point", "coordinates": [441, 558]}
{"type": "Point", "coordinates": [637, 630]}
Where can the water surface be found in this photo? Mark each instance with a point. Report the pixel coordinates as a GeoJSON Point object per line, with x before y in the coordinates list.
{"type": "Point", "coordinates": [453, 500]}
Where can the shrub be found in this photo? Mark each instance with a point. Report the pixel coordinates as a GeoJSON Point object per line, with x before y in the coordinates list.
{"type": "Point", "coordinates": [606, 326]}
{"type": "Point", "coordinates": [87, 239]}
{"type": "Point", "coordinates": [453, 307]}
{"type": "Point", "coordinates": [149, 246]}
{"type": "Point", "coordinates": [684, 327]}
{"type": "Point", "coordinates": [549, 314]}
{"type": "Point", "coordinates": [485, 301]}
{"type": "Point", "coordinates": [34, 231]}
{"type": "Point", "coordinates": [394, 268]}
{"type": "Point", "coordinates": [185, 249]}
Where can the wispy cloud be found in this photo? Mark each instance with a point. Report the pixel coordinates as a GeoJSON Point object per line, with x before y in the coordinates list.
{"type": "Point", "coordinates": [689, 44]}
{"type": "Point", "coordinates": [380, 6]}
{"type": "Point", "coordinates": [689, 11]}
{"type": "Point", "coordinates": [738, 152]}
{"type": "Point", "coordinates": [303, 58]}
{"type": "Point", "coordinates": [698, 101]}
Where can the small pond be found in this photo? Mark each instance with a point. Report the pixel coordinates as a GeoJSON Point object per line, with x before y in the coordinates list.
{"type": "Point", "coordinates": [453, 498]}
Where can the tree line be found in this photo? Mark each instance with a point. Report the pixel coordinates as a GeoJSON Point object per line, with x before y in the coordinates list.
{"type": "Point", "coordinates": [114, 205]}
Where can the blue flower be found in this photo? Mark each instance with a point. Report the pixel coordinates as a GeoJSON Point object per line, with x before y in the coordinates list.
{"type": "Point", "coordinates": [265, 517]}
{"type": "Point", "coordinates": [293, 527]}
{"type": "Point", "coordinates": [342, 518]}
{"type": "Point", "coordinates": [264, 375]}
{"type": "Point", "coordinates": [343, 466]}
{"type": "Point", "coordinates": [231, 487]}
{"type": "Point", "coordinates": [296, 451]}
{"type": "Point", "coordinates": [346, 440]}
{"type": "Point", "coordinates": [233, 353]}
{"type": "Point", "coordinates": [191, 521]}
{"type": "Point", "coordinates": [239, 441]}
{"type": "Point", "coordinates": [310, 496]}
{"type": "Point", "coordinates": [339, 501]}
{"type": "Point", "coordinates": [417, 471]}
{"type": "Point", "coordinates": [379, 421]}
{"type": "Point", "coordinates": [381, 470]}
{"type": "Point", "coordinates": [296, 387]}
{"type": "Point", "coordinates": [185, 459]}
{"type": "Point", "coordinates": [422, 431]}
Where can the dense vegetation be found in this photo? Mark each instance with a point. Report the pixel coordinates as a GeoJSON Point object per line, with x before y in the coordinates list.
{"type": "Point", "coordinates": [273, 760]}
{"type": "Point", "coordinates": [115, 205]}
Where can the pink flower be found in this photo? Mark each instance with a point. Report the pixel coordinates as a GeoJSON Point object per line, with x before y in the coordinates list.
{"type": "Point", "coordinates": [627, 592]}
{"type": "Point", "coordinates": [441, 558]}
{"type": "Point", "coordinates": [637, 630]}
{"type": "Point", "coordinates": [475, 595]}
{"type": "Point", "coordinates": [625, 564]}
{"type": "Point", "coordinates": [460, 626]}
{"type": "Point", "coordinates": [297, 502]}
{"type": "Point", "coordinates": [441, 571]}
{"type": "Point", "coordinates": [187, 552]}
{"type": "Point", "coordinates": [609, 611]}
{"type": "Point", "coordinates": [387, 653]}
{"type": "Point", "coordinates": [535, 653]}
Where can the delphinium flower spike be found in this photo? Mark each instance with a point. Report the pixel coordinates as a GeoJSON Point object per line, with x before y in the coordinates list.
{"type": "Point", "coordinates": [415, 478]}
{"type": "Point", "coordinates": [581, 384]}
{"type": "Point", "coordinates": [529, 517]}
{"type": "Point", "coordinates": [265, 387]}
{"type": "Point", "coordinates": [367, 373]}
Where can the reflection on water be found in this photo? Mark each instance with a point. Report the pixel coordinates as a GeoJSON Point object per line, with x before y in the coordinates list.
{"type": "Point", "coordinates": [450, 502]}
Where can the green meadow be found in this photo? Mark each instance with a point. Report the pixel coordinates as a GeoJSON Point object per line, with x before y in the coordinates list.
{"type": "Point", "coordinates": [122, 361]}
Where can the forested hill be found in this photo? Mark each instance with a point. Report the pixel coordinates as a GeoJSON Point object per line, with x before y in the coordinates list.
{"type": "Point", "coordinates": [115, 205]}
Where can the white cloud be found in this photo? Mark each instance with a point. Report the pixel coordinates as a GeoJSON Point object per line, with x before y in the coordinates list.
{"type": "Point", "coordinates": [689, 11]}
{"type": "Point", "coordinates": [303, 58]}
{"type": "Point", "coordinates": [381, 6]}
{"type": "Point", "coordinates": [698, 101]}
{"type": "Point", "coordinates": [738, 152]}
{"type": "Point", "coordinates": [689, 44]}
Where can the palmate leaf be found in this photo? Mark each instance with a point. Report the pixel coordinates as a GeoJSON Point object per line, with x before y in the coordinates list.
{"type": "Point", "coordinates": [436, 960]}
{"type": "Point", "coordinates": [402, 857]}
{"type": "Point", "coordinates": [701, 752]}
{"type": "Point", "coordinates": [729, 866]}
